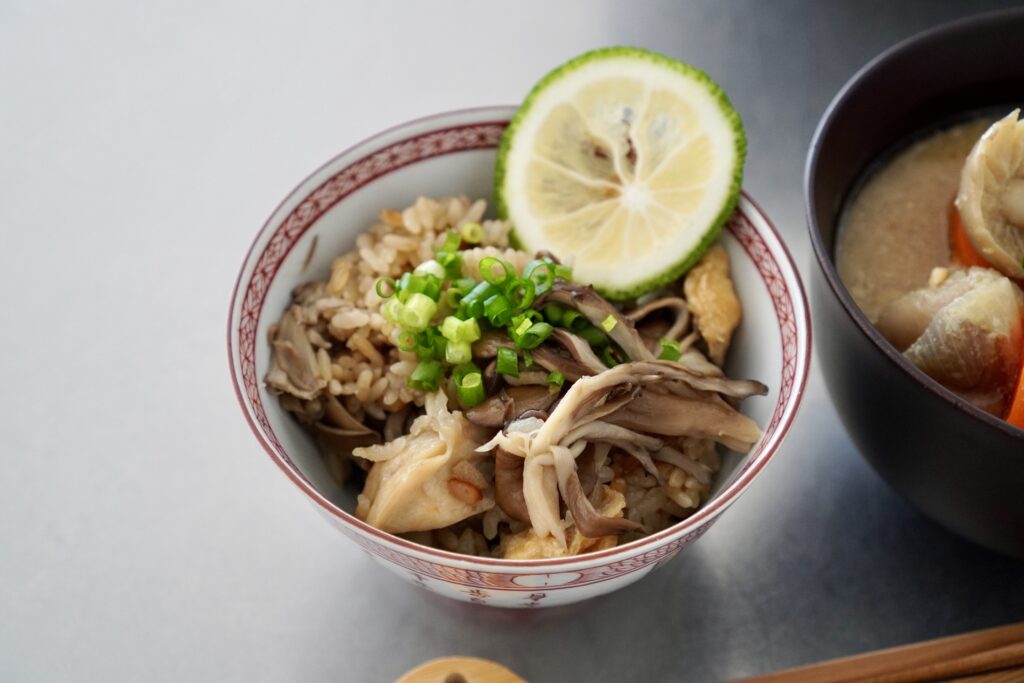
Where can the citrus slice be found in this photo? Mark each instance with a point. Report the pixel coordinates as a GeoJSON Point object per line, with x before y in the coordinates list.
{"type": "Point", "coordinates": [625, 162]}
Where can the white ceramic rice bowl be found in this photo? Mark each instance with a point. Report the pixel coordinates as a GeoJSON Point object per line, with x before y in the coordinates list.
{"type": "Point", "coordinates": [452, 154]}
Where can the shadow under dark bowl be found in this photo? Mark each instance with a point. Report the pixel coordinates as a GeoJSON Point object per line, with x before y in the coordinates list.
{"type": "Point", "coordinates": [961, 466]}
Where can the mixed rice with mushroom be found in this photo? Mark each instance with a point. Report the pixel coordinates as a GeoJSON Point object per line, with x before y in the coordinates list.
{"type": "Point", "coordinates": [485, 403]}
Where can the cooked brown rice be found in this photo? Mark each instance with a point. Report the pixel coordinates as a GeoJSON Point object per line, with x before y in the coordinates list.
{"type": "Point", "coordinates": [357, 361]}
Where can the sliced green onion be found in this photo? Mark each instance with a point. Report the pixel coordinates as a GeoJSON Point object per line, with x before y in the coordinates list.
{"type": "Point", "coordinates": [472, 233]}
{"type": "Point", "coordinates": [457, 330]}
{"type": "Point", "coordinates": [553, 313]}
{"type": "Point", "coordinates": [564, 272]}
{"type": "Point", "coordinates": [426, 375]}
{"type": "Point", "coordinates": [608, 357]}
{"type": "Point", "coordinates": [458, 373]}
{"type": "Point", "coordinates": [529, 315]}
{"type": "Point", "coordinates": [430, 267]}
{"type": "Point", "coordinates": [527, 358]}
{"type": "Point", "coordinates": [541, 273]}
{"type": "Point", "coordinates": [464, 285]}
{"type": "Point", "coordinates": [534, 335]}
{"type": "Point", "coordinates": [489, 270]}
{"type": "Point", "coordinates": [427, 346]}
{"type": "Point", "coordinates": [451, 297]}
{"type": "Point", "coordinates": [498, 310]}
{"type": "Point", "coordinates": [472, 304]}
{"type": "Point", "coordinates": [456, 353]}
{"type": "Point", "coordinates": [574, 321]}
{"type": "Point", "coordinates": [391, 310]}
{"type": "Point", "coordinates": [670, 350]}
{"type": "Point", "coordinates": [430, 345]}
{"type": "Point", "coordinates": [402, 285]}
{"type": "Point", "coordinates": [507, 362]}
{"type": "Point", "coordinates": [556, 379]}
{"type": "Point", "coordinates": [609, 323]}
{"type": "Point", "coordinates": [451, 261]}
{"type": "Point", "coordinates": [593, 336]}
{"type": "Point", "coordinates": [407, 340]}
{"type": "Point", "coordinates": [470, 389]}
{"type": "Point", "coordinates": [385, 287]}
{"type": "Point", "coordinates": [451, 242]}
{"type": "Point", "coordinates": [522, 326]}
{"type": "Point", "coordinates": [422, 284]}
{"type": "Point", "coordinates": [417, 311]}
{"type": "Point", "coordinates": [521, 292]}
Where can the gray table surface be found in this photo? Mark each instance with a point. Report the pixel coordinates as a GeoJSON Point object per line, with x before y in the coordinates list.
{"type": "Point", "coordinates": [144, 535]}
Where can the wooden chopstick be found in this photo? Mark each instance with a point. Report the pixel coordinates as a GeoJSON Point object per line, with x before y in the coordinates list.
{"type": "Point", "coordinates": [1014, 675]}
{"type": "Point", "coordinates": [979, 652]}
{"type": "Point", "coordinates": [987, 660]}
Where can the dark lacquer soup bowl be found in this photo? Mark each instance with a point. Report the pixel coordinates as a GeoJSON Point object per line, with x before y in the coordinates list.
{"type": "Point", "coordinates": [960, 465]}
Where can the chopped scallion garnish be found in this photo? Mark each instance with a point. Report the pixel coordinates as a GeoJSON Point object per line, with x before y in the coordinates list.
{"type": "Point", "coordinates": [451, 243]}
{"type": "Point", "coordinates": [534, 335]}
{"type": "Point", "coordinates": [670, 350]}
{"type": "Point", "coordinates": [522, 327]}
{"type": "Point", "coordinates": [385, 287]}
{"type": "Point", "coordinates": [451, 297]}
{"type": "Point", "coordinates": [495, 270]}
{"type": "Point", "coordinates": [430, 267]}
{"type": "Point", "coordinates": [407, 340]}
{"type": "Point", "coordinates": [457, 330]}
{"type": "Point", "coordinates": [553, 313]}
{"type": "Point", "coordinates": [429, 345]}
{"type": "Point", "coordinates": [451, 261]}
{"type": "Point", "coordinates": [574, 322]}
{"type": "Point", "coordinates": [457, 352]}
{"type": "Point", "coordinates": [542, 274]}
{"type": "Point", "coordinates": [426, 375]}
{"type": "Point", "coordinates": [507, 362]}
{"type": "Point", "coordinates": [521, 292]}
{"type": "Point", "coordinates": [498, 310]}
{"type": "Point", "coordinates": [472, 233]}
{"type": "Point", "coordinates": [593, 336]}
{"type": "Point", "coordinates": [472, 304]}
{"type": "Point", "coordinates": [417, 311]}
{"type": "Point", "coordinates": [392, 307]}
{"type": "Point", "coordinates": [469, 388]}
{"type": "Point", "coordinates": [608, 357]}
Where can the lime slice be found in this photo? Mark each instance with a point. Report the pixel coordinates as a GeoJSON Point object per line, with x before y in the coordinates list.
{"type": "Point", "coordinates": [625, 161]}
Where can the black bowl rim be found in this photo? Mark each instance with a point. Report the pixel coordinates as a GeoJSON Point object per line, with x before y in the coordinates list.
{"type": "Point", "coordinates": [824, 259]}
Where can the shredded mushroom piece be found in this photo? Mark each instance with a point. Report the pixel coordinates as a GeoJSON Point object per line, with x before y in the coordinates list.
{"type": "Point", "coordinates": [597, 310]}
{"type": "Point", "coordinates": [655, 330]}
{"type": "Point", "coordinates": [623, 407]}
{"type": "Point", "coordinates": [294, 368]}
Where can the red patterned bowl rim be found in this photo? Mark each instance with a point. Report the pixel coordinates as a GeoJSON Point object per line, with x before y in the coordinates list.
{"type": "Point", "coordinates": [768, 251]}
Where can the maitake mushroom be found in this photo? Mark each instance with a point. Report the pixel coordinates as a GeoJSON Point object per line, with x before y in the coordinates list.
{"type": "Point", "coordinates": [630, 407]}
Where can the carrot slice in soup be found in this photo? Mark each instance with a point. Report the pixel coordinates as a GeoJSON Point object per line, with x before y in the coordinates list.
{"type": "Point", "coordinates": [964, 253]}
{"type": "Point", "coordinates": [1015, 416]}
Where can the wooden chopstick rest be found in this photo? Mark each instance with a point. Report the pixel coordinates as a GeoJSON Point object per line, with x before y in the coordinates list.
{"type": "Point", "coordinates": [460, 670]}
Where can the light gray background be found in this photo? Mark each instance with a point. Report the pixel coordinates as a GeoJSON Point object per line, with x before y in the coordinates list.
{"type": "Point", "coordinates": [143, 533]}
